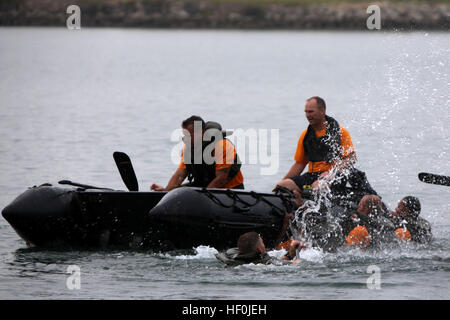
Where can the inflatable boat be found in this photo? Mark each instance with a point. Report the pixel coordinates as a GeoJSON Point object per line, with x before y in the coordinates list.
{"type": "Point", "coordinates": [85, 216]}
{"type": "Point", "coordinates": [54, 216]}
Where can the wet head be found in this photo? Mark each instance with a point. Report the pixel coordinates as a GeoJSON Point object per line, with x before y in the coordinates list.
{"type": "Point", "coordinates": [370, 205]}
{"type": "Point", "coordinates": [251, 242]}
{"type": "Point", "coordinates": [408, 206]}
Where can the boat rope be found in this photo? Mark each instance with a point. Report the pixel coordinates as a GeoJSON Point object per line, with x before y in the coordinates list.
{"type": "Point", "coordinates": [234, 195]}
{"type": "Point", "coordinates": [286, 196]}
{"type": "Point", "coordinates": [216, 200]}
{"type": "Point", "coordinates": [247, 205]}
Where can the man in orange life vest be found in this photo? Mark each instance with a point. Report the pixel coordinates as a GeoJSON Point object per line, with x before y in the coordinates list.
{"type": "Point", "coordinates": [409, 226]}
{"type": "Point", "coordinates": [220, 170]}
{"type": "Point", "coordinates": [324, 145]}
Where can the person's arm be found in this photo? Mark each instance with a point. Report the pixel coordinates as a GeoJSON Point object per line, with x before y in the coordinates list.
{"type": "Point", "coordinates": [177, 179]}
{"type": "Point", "coordinates": [286, 222]}
{"type": "Point", "coordinates": [296, 169]}
{"type": "Point", "coordinates": [174, 182]}
{"type": "Point", "coordinates": [221, 178]}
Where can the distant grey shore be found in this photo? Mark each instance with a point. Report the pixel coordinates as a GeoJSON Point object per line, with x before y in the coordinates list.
{"type": "Point", "coordinates": [227, 15]}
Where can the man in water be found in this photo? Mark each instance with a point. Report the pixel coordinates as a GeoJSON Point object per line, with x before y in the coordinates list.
{"type": "Point", "coordinates": [372, 228]}
{"type": "Point", "coordinates": [408, 225]}
{"type": "Point", "coordinates": [221, 170]}
{"type": "Point", "coordinates": [251, 249]}
{"type": "Point", "coordinates": [323, 146]}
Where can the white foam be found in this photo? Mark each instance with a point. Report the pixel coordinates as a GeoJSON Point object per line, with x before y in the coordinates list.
{"type": "Point", "coordinates": [277, 254]}
{"type": "Point", "coordinates": [312, 255]}
{"type": "Point", "coordinates": [309, 254]}
{"type": "Point", "coordinates": [201, 252]}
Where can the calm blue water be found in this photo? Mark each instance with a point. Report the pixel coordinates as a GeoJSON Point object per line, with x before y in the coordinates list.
{"type": "Point", "coordinates": [68, 99]}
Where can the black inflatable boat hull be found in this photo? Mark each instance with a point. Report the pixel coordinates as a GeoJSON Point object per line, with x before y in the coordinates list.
{"type": "Point", "coordinates": [52, 216]}
{"type": "Point", "coordinates": [48, 216]}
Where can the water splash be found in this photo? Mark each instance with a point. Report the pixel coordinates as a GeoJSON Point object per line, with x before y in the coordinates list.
{"type": "Point", "coordinates": [201, 253]}
{"type": "Point", "coordinates": [322, 207]}
{"type": "Point", "coordinates": [315, 255]}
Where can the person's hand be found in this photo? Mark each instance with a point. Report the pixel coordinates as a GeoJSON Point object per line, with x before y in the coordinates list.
{"type": "Point", "coordinates": [315, 185]}
{"type": "Point", "coordinates": [156, 187]}
{"type": "Point", "coordinates": [320, 184]}
{"type": "Point", "coordinates": [295, 244]}
{"type": "Point", "coordinates": [324, 175]}
{"type": "Point", "coordinates": [327, 176]}
{"type": "Point", "coordinates": [323, 180]}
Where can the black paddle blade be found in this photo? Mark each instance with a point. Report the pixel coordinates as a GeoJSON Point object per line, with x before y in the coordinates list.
{"type": "Point", "coordinates": [434, 179]}
{"type": "Point", "coordinates": [126, 170]}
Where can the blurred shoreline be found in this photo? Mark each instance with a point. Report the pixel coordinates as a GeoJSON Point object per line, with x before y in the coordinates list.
{"type": "Point", "coordinates": [230, 14]}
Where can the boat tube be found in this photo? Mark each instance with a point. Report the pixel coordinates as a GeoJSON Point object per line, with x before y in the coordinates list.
{"type": "Point", "coordinates": [52, 216]}
{"type": "Point", "coordinates": [49, 216]}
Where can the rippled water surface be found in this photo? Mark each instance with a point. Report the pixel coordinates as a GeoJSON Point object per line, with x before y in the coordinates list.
{"type": "Point", "coordinates": [69, 99]}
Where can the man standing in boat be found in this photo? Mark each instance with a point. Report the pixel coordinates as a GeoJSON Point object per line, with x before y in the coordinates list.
{"type": "Point", "coordinates": [325, 146]}
{"type": "Point", "coordinates": [208, 159]}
